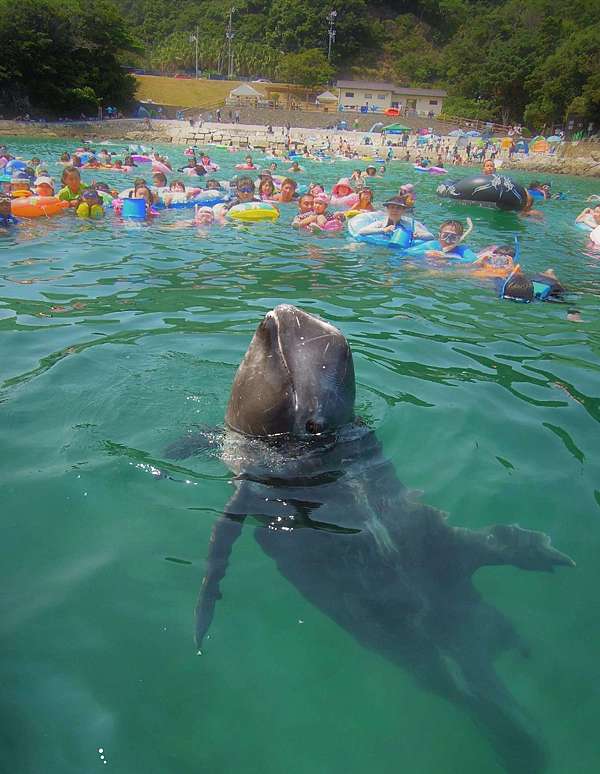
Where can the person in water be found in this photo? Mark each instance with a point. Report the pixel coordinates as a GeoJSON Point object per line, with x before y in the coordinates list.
{"type": "Point", "coordinates": [90, 204]}
{"type": "Point", "coordinates": [7, 219]}
{"type": "Point", "coordinates": [590, 217]}
{"type": "Point", "coordinates": [526, 288]}
{"type": "Point", "coordinates": [365, 200]}
{"type": "Point", "coordinates": [488, 168]}
{"type": "Point", "coordinates": [287, 192]}
{"type": "Point", "coordinates": [322, 214]}
{"type": "Point", "coordinates": [266, 189]}
{"type": "Point", "coordinates": [447, 247]}
{"type": "Point", "coordinates": [399, 209]}
{"type": "Point", "coordinates": [44, 186]}
{"type": "Point", "coordinates": [295, 167]}
{"type": "Point", "coordinates": [244, 192]}
{"type": "Point", "coordinates": [72, 186]}
{"type": "Point", "coordinates": [306, 214]}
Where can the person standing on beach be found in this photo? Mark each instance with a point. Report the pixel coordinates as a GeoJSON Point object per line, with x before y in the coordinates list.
{"type": "Point", "coordinates": [237, 116]}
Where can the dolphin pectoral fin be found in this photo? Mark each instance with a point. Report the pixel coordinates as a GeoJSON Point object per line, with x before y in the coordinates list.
{"type": "Point", "coordinates": [524, 548]}
{"type": "Point", "coordinates": [202, 440]}
{"type": "Point", "coordinates": [224, 534]}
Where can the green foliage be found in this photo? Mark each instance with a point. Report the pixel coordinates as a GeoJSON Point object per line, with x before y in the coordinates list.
{"type": "Point", "coordinates": [499, 59]}
{"type": "Point", "coordinates": [309, 68]}
{"type": "Point", "coordinates": [62, 55]}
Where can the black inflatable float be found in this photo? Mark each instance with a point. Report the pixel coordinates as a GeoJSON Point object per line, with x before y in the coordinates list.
{"type": "Point", "coordinates": [490, 190]}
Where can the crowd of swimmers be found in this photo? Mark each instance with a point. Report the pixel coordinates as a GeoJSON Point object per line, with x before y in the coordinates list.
{"type": "Point", "coordinates": [316, 208]}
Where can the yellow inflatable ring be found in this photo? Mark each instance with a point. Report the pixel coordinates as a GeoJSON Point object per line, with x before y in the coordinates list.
{"type": "Point", "coordinates": [253, 211]}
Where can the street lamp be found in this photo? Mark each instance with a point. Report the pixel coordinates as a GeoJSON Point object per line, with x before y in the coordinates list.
{"type": "Point", "coordinates": [230, 35]}
{"type": "Point", "coordinates": [194, 39]}
{"type": "Point", "coordinates": [331, 17]}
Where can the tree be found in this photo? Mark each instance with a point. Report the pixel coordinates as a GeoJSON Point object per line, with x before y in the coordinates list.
{"type": "Point", "coordinates": [309, 68]}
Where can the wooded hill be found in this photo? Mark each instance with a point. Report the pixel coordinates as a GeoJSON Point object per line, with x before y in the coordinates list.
{"type": "Point", "coordinates": [536, 61]}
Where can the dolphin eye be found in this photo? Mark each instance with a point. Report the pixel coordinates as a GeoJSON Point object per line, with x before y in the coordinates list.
{"type": "Point", "coordinates": [313, 428]}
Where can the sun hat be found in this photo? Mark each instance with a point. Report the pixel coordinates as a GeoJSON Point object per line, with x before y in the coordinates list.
{"type": "Point", "coordinates": [44, 180]}
{"type": "Point", "coordinates": [342, 182]}
{"type": "Point", "coordinates": [399, 201]}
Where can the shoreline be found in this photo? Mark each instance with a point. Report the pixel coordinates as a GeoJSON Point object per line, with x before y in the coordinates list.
{"type": "Point", "coordinates": [580, 159]}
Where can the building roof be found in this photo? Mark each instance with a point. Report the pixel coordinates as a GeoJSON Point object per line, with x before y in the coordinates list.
{"type": "Point", "coordinates": [386, 86]}
{"type": "Point", "coordinates": [375, 85]}
{"type": "Point", "coordinates": [420, 92]}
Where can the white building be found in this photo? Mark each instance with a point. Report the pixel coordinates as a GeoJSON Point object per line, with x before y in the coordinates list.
{"type": "Point", "coordinates": [378, 96]}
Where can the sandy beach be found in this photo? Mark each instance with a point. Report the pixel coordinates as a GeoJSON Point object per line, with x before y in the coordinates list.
{"type": "Point", "coordinates": [571, 158]}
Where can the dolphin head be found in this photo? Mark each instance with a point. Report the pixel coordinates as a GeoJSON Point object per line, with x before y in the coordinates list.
{"type": "Point", "coordinates": [296, 379]}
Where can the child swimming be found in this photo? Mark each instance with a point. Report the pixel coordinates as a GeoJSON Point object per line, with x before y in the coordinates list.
{"type": "Point", "coordinates": [447, 246]}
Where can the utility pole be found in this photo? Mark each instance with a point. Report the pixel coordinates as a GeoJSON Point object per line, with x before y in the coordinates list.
{"type": "Point", "coordinates": [229, 35]}
{"type": "Point", "coordinates": [194, 39]}
{"type": "Point", "coordinates": [331, 17]}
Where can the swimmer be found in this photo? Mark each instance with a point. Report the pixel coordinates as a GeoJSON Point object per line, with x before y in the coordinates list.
{"type": "Point", "coordinates": [316, 188]}
{"type": "Point", "coordinates": [72, 186]}
{"type": "Point", "coordinates": [287, 192]}
{"type": "Point", "coordinates": [159, 180]}
{"type": "Point", "coordinates": [244, 192]}
{"type": "Point", "coordinates": [322, 214]}
{"type": "Point", "coordinates": [489, 168]}
{"type": "Point", "coordinates": [306, 214]}
{"type": "Point", "coordinates": [213, 185]}
{"type": "Point", "coordinates": [496, 259]}
{"type": "Point", "coordinates": [528, 211]}
{"type": "Point", "coordinates": [295, 167]}
{"type": "Point", "coordinates": [20, 185]}
{"type": "Point", "coordinates": [266, 189]}
{"type": "Point", "coordinates": [141, 191]}
{"type": "Point", "coordinates": [356, 176]}
{"type": "Point", "coordinates": [521, 287]}
{"type": "Point", "coordinates": [382, 170]}
{"type": "Point", "coordinates": [204, 216]}
{"type": "Point", "coordinates": [365, 200]}
{"type": "Point", "coordinates": [447, 246]}
{"type": "Point", "coordinates": [397, 209]}
{"type": "Point", "coordinates": [65, 158]}
{"type": "Point", "coordinates": [371, 171]}
{"type": "Point", "coordinates": [342, 188]}
{"type": "Point", "coordinates": [90, 204]}
{"type": "Point", "coordinates": [589, 217]}
{"type": "Point", "coordinates": [44, 186]}
{"type": "Point", "coordinates": [7, 219]}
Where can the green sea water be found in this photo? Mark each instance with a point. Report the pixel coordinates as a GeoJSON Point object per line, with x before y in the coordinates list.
{"type": "Point", "coordinates": [116, 338]}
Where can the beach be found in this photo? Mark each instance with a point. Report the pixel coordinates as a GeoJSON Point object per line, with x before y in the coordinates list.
{"type": "Point", "coordinates": [580, 158]}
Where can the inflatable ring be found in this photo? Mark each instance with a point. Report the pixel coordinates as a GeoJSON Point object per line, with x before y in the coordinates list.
{"type": "Point", "coordinates": [158, 166]}
{"type": "Point", "coordinates": [401, 238]}
{"type": "Point", "coordinates": [141, 159]}
{"type": "Point", "coordinates": [253, 211]}
{"type": "Point", "coordinates": [37, 206]}
{"type": "Point", "coordinates": [491, 190]}
{"type": "Point", "coordinates": [345, 202]}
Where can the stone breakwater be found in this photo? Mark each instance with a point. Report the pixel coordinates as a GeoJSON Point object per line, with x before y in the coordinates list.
{"type": "Point", "coordinates": [576, 158]}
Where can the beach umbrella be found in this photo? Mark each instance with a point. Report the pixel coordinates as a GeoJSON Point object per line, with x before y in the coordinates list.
{"type": "Point", "coordinates": [554, 138]}
{"type": "Point", "coordinates": [376, 127]}
{"type": "Point", "coordinates": [473, 133]}
{"type": "Point", "coordinates": [456, 133]}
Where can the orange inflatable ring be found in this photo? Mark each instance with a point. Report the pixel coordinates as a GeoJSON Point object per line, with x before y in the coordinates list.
{"type": "Point", "coordinates": [37, 206]}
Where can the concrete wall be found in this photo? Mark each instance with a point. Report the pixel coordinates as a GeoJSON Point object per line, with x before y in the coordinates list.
{"type": "Point", "coordinates": [382, 99]}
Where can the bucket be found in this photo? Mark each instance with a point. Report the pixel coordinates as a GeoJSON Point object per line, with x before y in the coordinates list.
{"type": "Point", "coordinates": [134, 208]}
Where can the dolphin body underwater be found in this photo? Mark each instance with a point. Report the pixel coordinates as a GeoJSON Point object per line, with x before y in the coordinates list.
{"type": "Point", "coordinates": [349, 536]}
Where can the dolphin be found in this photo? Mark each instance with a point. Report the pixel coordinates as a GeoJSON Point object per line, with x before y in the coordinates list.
{"type": "Point", "coordinates": [340, 526]}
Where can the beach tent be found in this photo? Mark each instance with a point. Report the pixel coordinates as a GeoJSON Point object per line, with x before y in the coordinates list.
{"type": "Point", "coordinates": [396, 129]}
{"type": "Point", "coordinates": [456, 133]}
{"type": "Point", "coordinates": [244, 94]}
{"type": "Point", "coordinates": [376, 127]}
{"type": "Point", "coordinates": [326, 98]}
{"type": "Point", "coordinates": [473, 133]}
